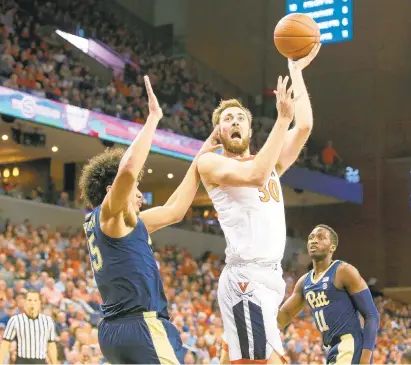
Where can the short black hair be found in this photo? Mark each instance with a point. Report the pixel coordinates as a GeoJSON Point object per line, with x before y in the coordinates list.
{"type": "Point", "coordinates": [98, 173]}
{"type": "Point", "coordinates": [333, 234]}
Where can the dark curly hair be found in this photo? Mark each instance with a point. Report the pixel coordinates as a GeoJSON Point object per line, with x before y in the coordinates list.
{"type": "Point", "coordinates": [98, 173]}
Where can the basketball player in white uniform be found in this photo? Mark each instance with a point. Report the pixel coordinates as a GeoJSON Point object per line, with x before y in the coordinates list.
{"type": "Point", "coordinates": [246, 194]}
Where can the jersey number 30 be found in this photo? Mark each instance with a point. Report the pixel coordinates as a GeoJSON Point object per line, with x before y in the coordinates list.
{"type": "Point", "coordinates": [270, 191]}
{"type": "Point", "coordinates": [96, 259]}
{"type": "Point", "coordinates": [320, 319]}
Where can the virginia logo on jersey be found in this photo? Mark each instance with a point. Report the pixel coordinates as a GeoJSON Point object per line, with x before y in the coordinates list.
{"type": "Point", "coordinates": [317, 300]}
{"type": "Point", "coordinates": [243, 286]}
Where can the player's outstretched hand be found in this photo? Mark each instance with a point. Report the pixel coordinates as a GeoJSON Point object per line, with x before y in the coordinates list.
{"type": "Point", "coordinates": [302, 63]}
{"type": "Point", "coordinates": [210, 145]}
{"type": "Point", "coordinates": [153, 105]}
{"type": "Point", "coordinates": [285, 101]}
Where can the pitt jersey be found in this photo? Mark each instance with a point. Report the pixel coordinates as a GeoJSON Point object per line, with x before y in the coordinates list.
{"type": "Point", "coordinates": [125, 270]}
{"type": "Point", "coordinates": [253, 221]}
{"type": "Point", "coordinates": [334, 314]}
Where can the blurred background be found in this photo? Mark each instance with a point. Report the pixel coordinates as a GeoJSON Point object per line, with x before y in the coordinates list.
{"type": "Point", "coordinates": [71, 85]}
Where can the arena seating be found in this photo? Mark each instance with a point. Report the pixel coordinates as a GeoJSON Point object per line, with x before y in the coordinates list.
{"type": "Point", "coordinates": [36, 60]}
{"type": "Point", "coordinates": [56, 263]}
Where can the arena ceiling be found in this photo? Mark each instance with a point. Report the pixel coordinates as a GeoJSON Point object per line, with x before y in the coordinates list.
{"type": "Point", "coordinates": [79, 148]}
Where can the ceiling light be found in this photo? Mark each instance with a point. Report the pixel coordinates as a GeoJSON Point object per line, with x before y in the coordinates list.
{"type": "Point", "coordinates": [170, 176]}
{"type": "Point", "coordinates": [150, 171]}
{"type": "Point", "coordinates": [4, 137]}
{"type": "Point", "coordinates": [54, 148]}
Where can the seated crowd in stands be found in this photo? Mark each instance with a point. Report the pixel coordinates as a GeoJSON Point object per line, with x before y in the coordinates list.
{"type": "Point", "coordinates": [36, 60]}
{"type": "Point", "coordinates": [56, 263]}
{"type": "Point", "coordinates": [40, 195]}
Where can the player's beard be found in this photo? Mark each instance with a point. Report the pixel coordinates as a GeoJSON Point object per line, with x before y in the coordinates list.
{"type": "Point", "coordinates": [318, 256]}
{"type": "Point", "coordinates": [234, 147]}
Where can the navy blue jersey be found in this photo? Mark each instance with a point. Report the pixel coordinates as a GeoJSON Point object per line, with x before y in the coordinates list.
{"type": "Point", "coordinates": [125, 270]}
{"type": "Point", "coordinates": [331, 308]}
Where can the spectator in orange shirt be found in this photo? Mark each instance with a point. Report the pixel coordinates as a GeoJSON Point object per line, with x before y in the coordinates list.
{"type": "Point", "coordinates": [188, 267]}
{"type": "Point", "coordinates": [329, 155]}
{"type": "Point", "coordinates": [137, 118]}
{"type": "Point", "coordinates": [190, 103]}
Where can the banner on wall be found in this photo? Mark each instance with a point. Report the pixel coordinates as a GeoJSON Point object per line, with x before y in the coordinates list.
{"type": "Point", "coordinates": [79, 120]}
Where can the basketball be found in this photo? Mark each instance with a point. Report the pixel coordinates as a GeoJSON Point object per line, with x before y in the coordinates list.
{"type": "Point", "coordinates": [295, 35]}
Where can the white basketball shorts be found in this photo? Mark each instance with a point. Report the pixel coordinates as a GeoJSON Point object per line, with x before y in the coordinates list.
{"type": "Point", "coordinates": [249, 296]}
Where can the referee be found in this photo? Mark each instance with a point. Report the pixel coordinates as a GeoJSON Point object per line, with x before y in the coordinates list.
{"type": "Point", "coordinates": [34, 333]}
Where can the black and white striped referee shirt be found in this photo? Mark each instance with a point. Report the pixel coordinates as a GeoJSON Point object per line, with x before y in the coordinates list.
{"type": "Point", "coordinates": [32, 335]}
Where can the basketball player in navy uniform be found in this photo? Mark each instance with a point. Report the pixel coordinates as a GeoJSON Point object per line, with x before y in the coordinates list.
{"type": "Point", "coordinates": [135, 328]}
{"type": "Point", "coordinates": [336, 294]}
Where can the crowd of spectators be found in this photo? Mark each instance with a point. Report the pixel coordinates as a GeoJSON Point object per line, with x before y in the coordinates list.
{"type": "Point", "coordinates": [15, 189]}
{"type": "Point", "coordinates": [36, 60]}
{"type": "Point", "coordinates": [56, 263]}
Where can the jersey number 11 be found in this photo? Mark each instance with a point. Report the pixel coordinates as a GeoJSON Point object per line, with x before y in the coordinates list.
{"type": "Point", "coordinates": [320, 319]}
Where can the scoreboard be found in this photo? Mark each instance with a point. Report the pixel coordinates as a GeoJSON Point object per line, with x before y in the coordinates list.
{"type": "Point", "coordinates": [334, 17]}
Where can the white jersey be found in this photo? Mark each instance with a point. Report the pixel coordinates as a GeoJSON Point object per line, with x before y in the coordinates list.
{"type": "Point", "coordinates": [253, 221]}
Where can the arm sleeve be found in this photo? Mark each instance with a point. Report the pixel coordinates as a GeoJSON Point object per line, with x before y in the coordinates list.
{"type": "Point", "coordinates": [10, 331]}
{"type": "Point", "coordinates": [365, 305]}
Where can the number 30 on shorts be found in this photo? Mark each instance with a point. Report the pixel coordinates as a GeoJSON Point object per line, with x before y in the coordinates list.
{"type": "Point", "coordinates": [270, 191]}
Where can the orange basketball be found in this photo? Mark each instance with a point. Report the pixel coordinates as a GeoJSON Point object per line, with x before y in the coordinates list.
{"type": "Point", "coordinates": [295, 35]}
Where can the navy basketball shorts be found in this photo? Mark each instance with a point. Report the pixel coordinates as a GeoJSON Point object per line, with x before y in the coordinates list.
{"type": "Point", "coordinates": [346, 350]}
{"type": "Point", "coordinates": [140, 339]}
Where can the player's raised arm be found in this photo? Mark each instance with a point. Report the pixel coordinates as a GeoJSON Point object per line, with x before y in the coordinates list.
{"type": "Point", "coordinates": [349, 277]}
{"type": "Point", "coordinates": [220, 170]}
{"type": "Point", "coordinates": [174, 210]}
{"type": "Point", "coordinates": [293, 305]}
{"type": "Point", "coordinates": [133, 160]}
{"type": "Point", "coordinates": [297, 137]}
